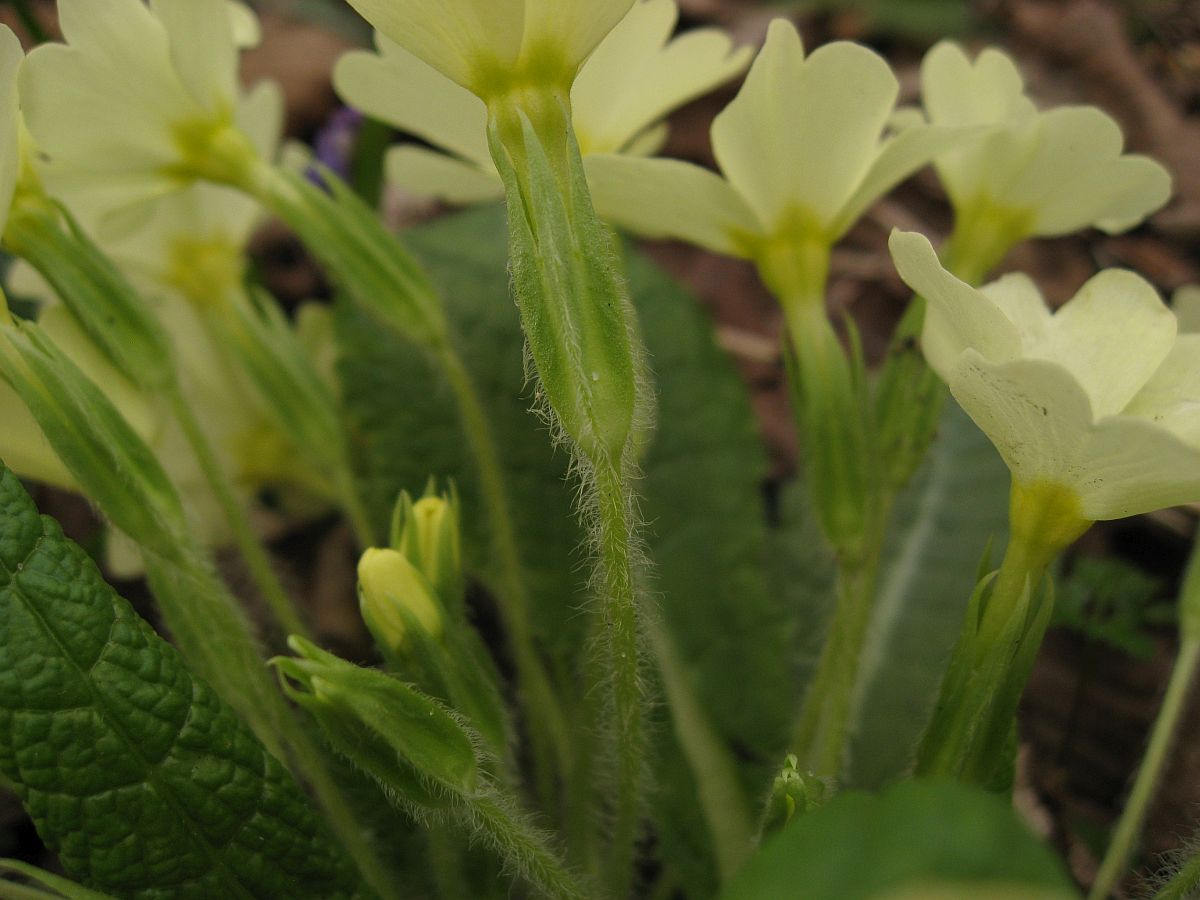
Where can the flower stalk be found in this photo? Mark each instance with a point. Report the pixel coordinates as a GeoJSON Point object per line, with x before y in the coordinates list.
{"type": "Point", "coordinates": [1125, 836]}
{"type": "Point", "coordinates": [580, 331]}
{"type": "Point", "coordinates": [969, 735]}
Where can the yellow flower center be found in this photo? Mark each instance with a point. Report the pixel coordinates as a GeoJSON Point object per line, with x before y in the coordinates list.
{"type": "Point", "coordinates": [541, 68]}
{"type": "Point", "coordinates": [214, 149]}
{"type": "Point", "coordinates": [1045, 518]}
{"type": "Point", "coordinates": [205, 270]}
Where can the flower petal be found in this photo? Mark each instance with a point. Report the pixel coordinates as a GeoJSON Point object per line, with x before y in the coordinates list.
{"type": "Point", "coordinates": [1186, 303]}
{"type": "Point", "coordinates": [1033, 410]}
{"type": "Point", "coordinates": [1022, 303]}
{"type": "Point", "coordinates": [638, 74]}
{"type": "Point", "coordinates": [401, 90]}
{"type": "Point", "coordinates": [669, 198]}
{"type": "Point", "coordinates": [988, 91]}
{"type": "Point", "coordinates": [434, 174]}
{"type": "Point", "coordinates": [247, 29]}
{"type": "Point", "coordinates": [202, 49]}
{"type": "Point", "coordinates": [454, 38]}
{"type": "Point", "coordinates": [899, 157]}
{"type": "Point", "coordinates": [1070, 140]}
{"type": "Point", "coordinates": [1136, 467]}
{"type": "Point", "coordinates": [72, 96]}
{"type": "Point", "coordinates": [573, 27]}
{"type": "Point", "coordinates": [957, 317]}
{"type": "Point", "coordinates": [259, 115]}
{"type": "Point", "coordinates": [11, 57]}
{"type": "Point", "coordinates": [802, 134]}
{"type": "Point", "coordinates": [957, 92]}
{"type": "Point", "coordinates": [1171, 398]}
{"type": "Point", "coordinates": [1113, 197]}
{"type": "Point", "coordinates": [1111, 336]}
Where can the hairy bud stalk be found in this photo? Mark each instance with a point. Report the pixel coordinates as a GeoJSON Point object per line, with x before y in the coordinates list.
{"type": "Point", "coordinates": [582, 338]}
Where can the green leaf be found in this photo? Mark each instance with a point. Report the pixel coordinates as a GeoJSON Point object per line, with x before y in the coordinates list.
{"type": "Point", "coordinates": [133, 770]}
{"type": "Point", "coordinates": [917, 833]}
{"type": "Point", "coordinates": [1112, 601]}
{"type": "Point", "coordinates": [941, 525]}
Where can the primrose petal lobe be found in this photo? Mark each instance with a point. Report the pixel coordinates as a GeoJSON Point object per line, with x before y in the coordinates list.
{"type": "Point", "coordinates": [958, 317]}
{"type": "Point", "coordinates": [427, 172]}
{"type": "Point", "coordinates": [1171, 398]}
{"type": "Point", "coordinates": [398, 88]}
{"type": "Point", "coordinates": [667, 198]}
{"type": "Point", "coordinates": [1112, 336]}
{"type": "Point", "coordinates": [1035, 413]}
{"type": "Point", "coordinates": [1136, 467]}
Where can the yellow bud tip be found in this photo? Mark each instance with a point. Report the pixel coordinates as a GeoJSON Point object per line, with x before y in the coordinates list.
{"type": "Point", "coordinates": [392, 589]}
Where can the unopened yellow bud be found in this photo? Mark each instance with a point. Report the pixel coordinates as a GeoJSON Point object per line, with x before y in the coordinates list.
{"type": "Point", "coordinates": [427, 533]}
{"type": "Point", "coordinates": [394, 596]}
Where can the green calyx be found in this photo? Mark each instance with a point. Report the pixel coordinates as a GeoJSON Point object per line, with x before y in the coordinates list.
{"type": "Point", "coordinates": [574, 308]}
{"type": "Point", "coordinates": [418, 732]}
{"type": "Point", "coordinates": [98, 295]}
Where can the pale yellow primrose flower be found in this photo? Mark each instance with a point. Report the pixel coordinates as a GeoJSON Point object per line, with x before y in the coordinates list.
{"type": "Point", "coordinates": [11, 57]}
{"type": "Point", "coordinates": [492, 47]}
{"type": "Point", "coordinates": [1039, 173]}
{"type": "Point", "coordinates": [1186, 303]}
{"type": "Point", "coordinates": [129, 106]}
{"type": "Point", "coordinates": [1097, 404]}
{"type": "Point", "coordinates": [635, 77]}
{"type": "Point", "coordinates": [801, 148]}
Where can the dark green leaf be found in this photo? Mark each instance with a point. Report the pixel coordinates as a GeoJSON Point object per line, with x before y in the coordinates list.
{"type": "Point", "coordinates": [941, 525]}
{"type": "Point", "coordinates": [145, 783]}
{"type": "Point", "coordinates": [917, 833]}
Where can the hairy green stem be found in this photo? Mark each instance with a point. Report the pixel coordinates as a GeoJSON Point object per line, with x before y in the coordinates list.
{"type": "Point", "coordinates": [1184, 884]}
{"type": "Point", "coordinates": [843, 478]}
{"type": "Point", "coordinates": [1125, 838]}
{"type": "Point", "coordinates": [820, 736]}
{"type": "Point", "coordinates": [615, 545]}
{"type": "Point", "coordinates": [251, 548]}
{"type": "Point", "coordinates": [524, 848]}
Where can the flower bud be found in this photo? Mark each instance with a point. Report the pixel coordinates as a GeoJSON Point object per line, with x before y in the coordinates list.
{"type": "Point", "coordinates": [792, 792]}
{"type": "Point", "coordinates": [395, 598]}
{"type": "Point", "coordinates": [427, 533]}
{"type": "Point", "coordinates": [396, 734]}
{"type": "Point", "coordinates": [106, 457]}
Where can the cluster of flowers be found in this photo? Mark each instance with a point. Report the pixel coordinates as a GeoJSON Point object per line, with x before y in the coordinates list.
{"type": "Point", "coordinates": [1100, 397]}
